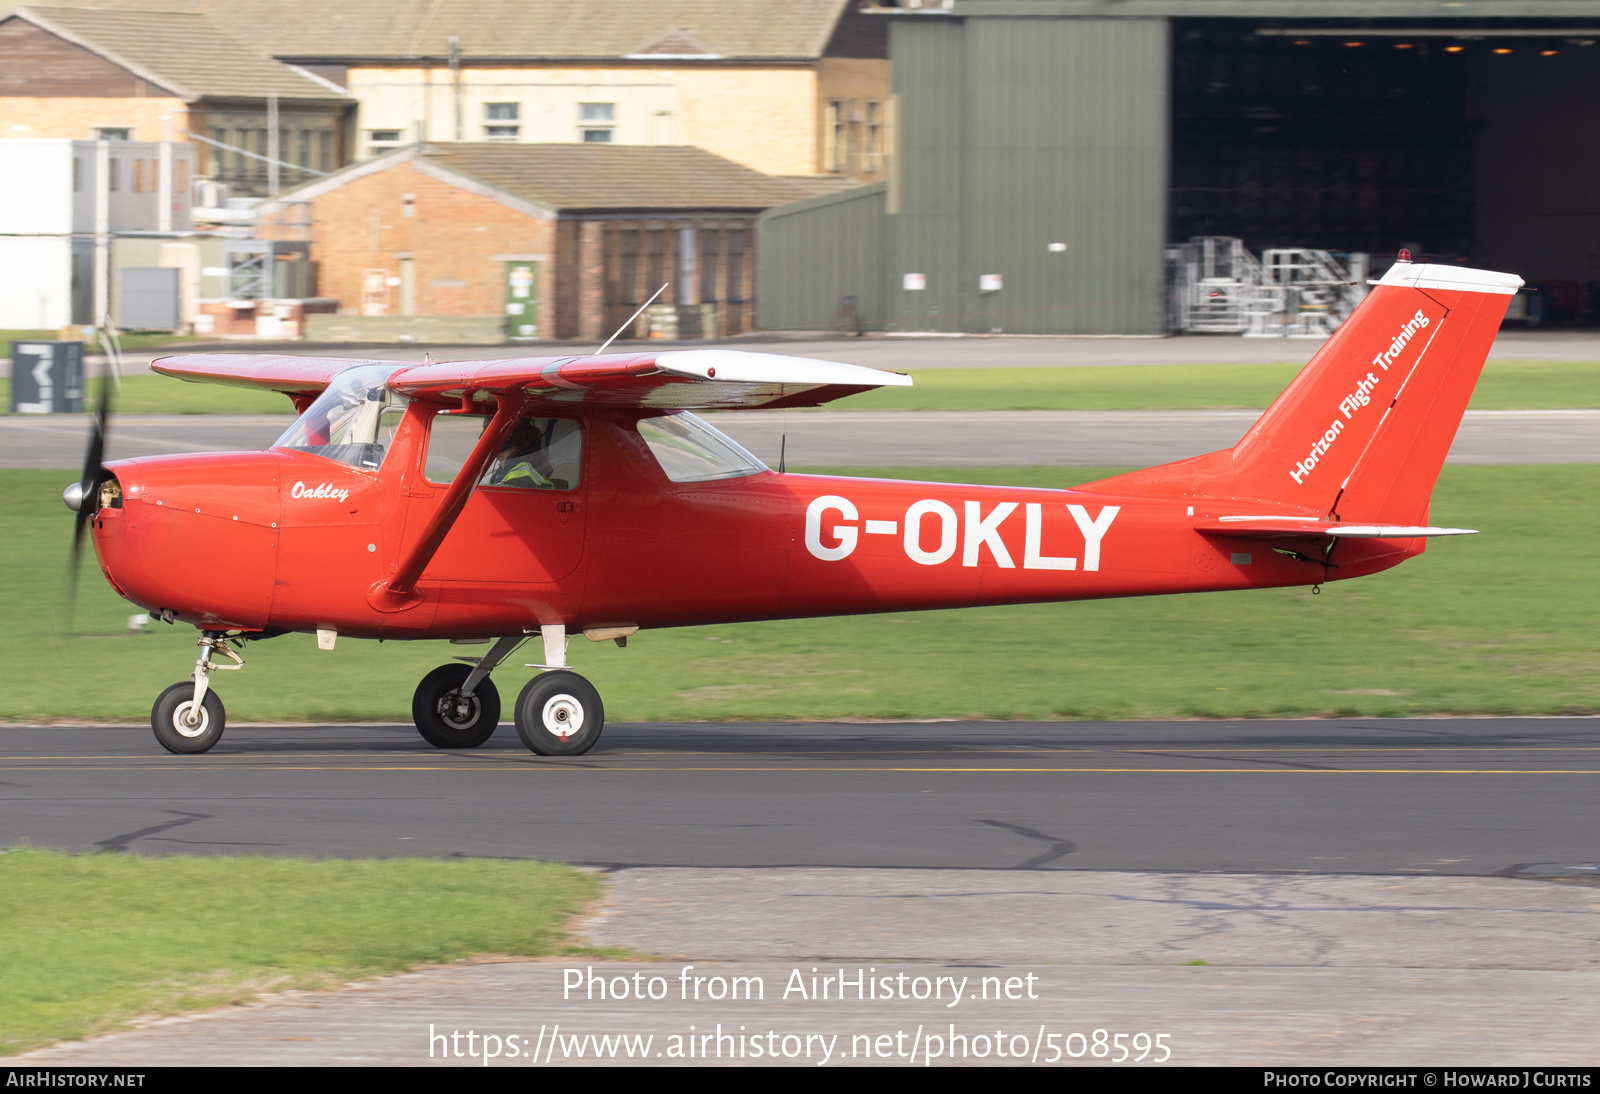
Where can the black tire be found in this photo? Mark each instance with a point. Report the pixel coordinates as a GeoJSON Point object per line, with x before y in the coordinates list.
{"type": "Point", "coordinates": [443, 720]}
{"type": "Point", "coordinates": [172, 707]}
{"type": "Point", "coordinates": [559, 714]}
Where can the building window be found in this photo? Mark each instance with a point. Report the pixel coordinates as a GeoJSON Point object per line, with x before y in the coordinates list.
{"type": "Point", "coordinates": [500, 119]}
{"type": "Point", "coordinates": [325, 149]}
{"type": "Point", "coordinates": [733, 290]}
{"type": "Point", "coordinates": [378, 140]}
{"type": "Point", "coordinates": [833, 134]}
{"type": "Point", "coordinates": [627, 265]}
{"type": "Point", "coordinates": [219, 136]}
{"type": "Point", "coordinates": [874, 136]}
{"type": "Point", "coordinates": [710, 243]}
{"type": "Point", "coordinates": [596, 121]}
{"type": "Point", "coordinates": [113, 133]}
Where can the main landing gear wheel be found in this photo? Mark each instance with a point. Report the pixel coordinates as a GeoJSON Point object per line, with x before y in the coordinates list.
{"type": "Point", "coordinates": [446, 719]}
{"type": "Point", "coordinates": [182, 729]}
{"type": "Point", "coordinates": [559, 714]}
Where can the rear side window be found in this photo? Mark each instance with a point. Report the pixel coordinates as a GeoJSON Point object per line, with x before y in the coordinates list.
{"type": "Point", "coordinates": [689, 450]}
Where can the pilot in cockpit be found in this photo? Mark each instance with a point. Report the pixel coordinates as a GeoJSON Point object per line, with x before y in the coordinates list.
{"type": "Point", "coordinates": [524, 460]}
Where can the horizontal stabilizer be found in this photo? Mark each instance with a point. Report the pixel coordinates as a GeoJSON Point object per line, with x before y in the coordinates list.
{"type": "Point", "coordinates": [1268, 527]}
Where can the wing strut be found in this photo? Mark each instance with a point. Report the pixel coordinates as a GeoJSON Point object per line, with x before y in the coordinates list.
{"type": "Point", "coordinates": [399, 592]}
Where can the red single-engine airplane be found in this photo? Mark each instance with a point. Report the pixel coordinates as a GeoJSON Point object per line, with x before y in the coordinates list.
{"type": "Point", "coordinates": [498, 500]}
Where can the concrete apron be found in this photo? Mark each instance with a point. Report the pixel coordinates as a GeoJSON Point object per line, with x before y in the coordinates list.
{"type": "Point", "coordinates": [1357, 970]}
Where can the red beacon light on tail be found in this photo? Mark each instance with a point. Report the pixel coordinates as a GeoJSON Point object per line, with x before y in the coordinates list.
{"type": "Point", "coordinates": [1405, 255]}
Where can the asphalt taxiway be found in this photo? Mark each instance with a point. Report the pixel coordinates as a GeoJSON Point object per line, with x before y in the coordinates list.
{"type": "Point", "coordinates": [863, 438]}
{"type": "Point", "coordinates": [1476, 796]}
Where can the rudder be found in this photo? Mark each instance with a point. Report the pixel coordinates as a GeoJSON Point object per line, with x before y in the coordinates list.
{"type": "Point", "coordinates": [1361, 433]}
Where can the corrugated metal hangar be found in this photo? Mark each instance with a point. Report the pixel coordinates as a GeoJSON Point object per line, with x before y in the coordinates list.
{"type": "Point", "coordinates": [1047, 152]}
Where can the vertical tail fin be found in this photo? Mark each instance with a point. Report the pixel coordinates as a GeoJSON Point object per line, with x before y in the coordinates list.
{"type": "Point", "coordinates": [1361, 433]}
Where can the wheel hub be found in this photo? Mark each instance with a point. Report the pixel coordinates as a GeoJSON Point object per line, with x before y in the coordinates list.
{"type": "Point", "coordinates": [189, 720]}
{"type": "Point", "coordinates": [458, 711]}
{"type": "Point", "coordinates": [563, 716]}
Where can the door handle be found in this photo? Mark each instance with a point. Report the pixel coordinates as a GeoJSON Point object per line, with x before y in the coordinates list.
{"type": "Point", "coordinates": [566, 506]}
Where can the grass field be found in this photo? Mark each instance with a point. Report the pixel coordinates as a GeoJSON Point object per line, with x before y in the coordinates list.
{"type": "Point", "coordinates": [128, 341]}
{"type": "Point", "coordinates": [1504, 385]}
{"type": "Point", "coordinates": [1503, 622]}
{"type": "Point", "coordinates": [90, 941]}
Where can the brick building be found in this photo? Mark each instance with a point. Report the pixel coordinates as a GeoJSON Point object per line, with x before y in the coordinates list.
{"type": "Point", "coordinates": [787, 87]}
{"type": "Point", "coordinates": [542, 241]}
{"type": "Point", "coordinates": [86, 73]}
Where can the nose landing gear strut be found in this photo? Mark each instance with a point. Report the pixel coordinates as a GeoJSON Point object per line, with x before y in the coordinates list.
{"type": "Point", "coordinates": [188, 717]}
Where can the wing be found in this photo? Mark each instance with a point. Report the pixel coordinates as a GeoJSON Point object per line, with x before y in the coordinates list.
{"type": "Point", "coordinates": [1268, 527]}
{"type": "Point", "coordinates": [294, 376]}
{"type": "Point", "coordinates": [669, 380]}
{"type": "Point", "coordinates": [672, 380]}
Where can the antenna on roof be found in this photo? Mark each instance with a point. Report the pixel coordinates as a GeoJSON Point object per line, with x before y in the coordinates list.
{"type": "Point", "coordinates": [632, 317]}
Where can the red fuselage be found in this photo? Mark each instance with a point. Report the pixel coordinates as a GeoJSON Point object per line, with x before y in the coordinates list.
{"type": "Point", "coordinates": [287, 540]}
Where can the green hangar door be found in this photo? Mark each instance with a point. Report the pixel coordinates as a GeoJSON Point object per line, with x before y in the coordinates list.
{"type": "Point", "coordinates": [522, 299]}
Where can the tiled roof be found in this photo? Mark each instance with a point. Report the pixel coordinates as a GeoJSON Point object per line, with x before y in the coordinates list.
{"type": "Point", "coordinates": [351, 29]}
{"type": "Point", "coordinates": [187, 53]}
{"type": "Point", "coordinates": [614, 177]}
{"type": "Point", "coordinates": [587, 177]}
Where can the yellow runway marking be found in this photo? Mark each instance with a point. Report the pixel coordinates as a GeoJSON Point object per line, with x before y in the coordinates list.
{"type": "Point", "coordinates": [1380, 748]}
{"type": "Point", "coordinates": [590, 766]}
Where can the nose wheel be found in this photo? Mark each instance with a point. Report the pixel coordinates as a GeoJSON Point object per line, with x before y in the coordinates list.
{"type": "Point", "coordinates": [184, 727]}
{"type": "Point", "coordinates": [559, 714]}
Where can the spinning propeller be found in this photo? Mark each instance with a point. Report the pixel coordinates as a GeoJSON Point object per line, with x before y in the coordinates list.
{"type": "Point", "coordinates": [83, 496]}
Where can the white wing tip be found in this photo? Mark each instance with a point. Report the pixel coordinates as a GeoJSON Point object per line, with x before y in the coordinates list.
{"type": "Point", "coordinates": [746, 366]}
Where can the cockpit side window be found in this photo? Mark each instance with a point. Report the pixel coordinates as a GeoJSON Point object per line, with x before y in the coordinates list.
{"type": "Point", "coordinates": [540, 453]}
{"type": "Point", "coordinates": [353, 421]}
